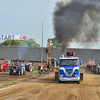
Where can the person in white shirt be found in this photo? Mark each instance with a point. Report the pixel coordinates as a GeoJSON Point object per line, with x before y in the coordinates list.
{"type": "Point", "coordinates": [41, 68]}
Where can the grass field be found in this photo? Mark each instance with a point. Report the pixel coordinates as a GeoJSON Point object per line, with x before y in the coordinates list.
{"type": "Point", "coordinates": [34, 71]}
{"type": "Point", "coordinates": [12, 81]}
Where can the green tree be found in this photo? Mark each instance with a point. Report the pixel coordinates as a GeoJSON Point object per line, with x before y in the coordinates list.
{"type": "Point", "coordinates": [30, 43]}
{"type": "Point", "coordinates": [54, 43]}
{"type": "Point", "coordinates": [27, 43]}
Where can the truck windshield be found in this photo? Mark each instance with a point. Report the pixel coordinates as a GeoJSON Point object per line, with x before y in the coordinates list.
{"type": "Point", "coordinates": [91, 62]}
{"type": "Point", "coordinates": [68, 62]}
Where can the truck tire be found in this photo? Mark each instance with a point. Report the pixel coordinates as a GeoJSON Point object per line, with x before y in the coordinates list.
{"type": "Point", "coordinates": [60, 81]}
{"type": "Point", "coordinates": [78, 82]}
{"type": "Point", "coordinates": [21, 70]}
{"type": "Point", "coordinates": [81, 76]}
{"type": "Point", "coordinates": [27, 67]}
{"type": "Point", "coordinates": [56, 75]}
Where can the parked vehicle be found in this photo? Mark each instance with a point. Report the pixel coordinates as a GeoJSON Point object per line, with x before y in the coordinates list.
{"type": "Point", "coordinates": [91, 65]}
{"type": "Point", "coordinates": [17, 68]}
{"type": "Point", "coordinates": [29, 66]}
{"type": "Point", "coordinates": [4, 65]}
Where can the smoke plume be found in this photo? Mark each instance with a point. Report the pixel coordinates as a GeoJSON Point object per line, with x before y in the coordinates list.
{"type": "Point", "coordinates": [21, 51]}
{"type": "Point", "coordinates": [77, 18]}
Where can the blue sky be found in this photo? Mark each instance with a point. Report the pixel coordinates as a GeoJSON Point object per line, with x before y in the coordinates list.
{"type": "Point", "coordinates": [25, 17]}
{"type": "Point", "coordinates": [19, 17]}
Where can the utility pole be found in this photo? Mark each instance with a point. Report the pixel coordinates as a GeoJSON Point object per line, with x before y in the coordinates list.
{"type": "Point", "coordinates": [42, 46]}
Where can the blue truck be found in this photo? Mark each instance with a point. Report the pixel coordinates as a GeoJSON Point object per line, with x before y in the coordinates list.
{"type": "Point", "coordinates": [69, 69]}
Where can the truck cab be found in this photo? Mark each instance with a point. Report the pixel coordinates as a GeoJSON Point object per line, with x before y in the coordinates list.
{"type": "Point", "coordinates": [69, 68]}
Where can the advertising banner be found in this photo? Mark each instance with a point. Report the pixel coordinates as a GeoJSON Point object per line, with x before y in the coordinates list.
{"type": "Point", "coordinates": [84, 40]}
{"type": "Point", "coordinates": [13, 37]}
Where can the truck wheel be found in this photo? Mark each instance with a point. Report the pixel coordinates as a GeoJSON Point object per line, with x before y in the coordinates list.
{"type": "Point", "coordinates": [21, 71]}
{"type": "Point", "coordinates": [78, 82]}
{"type": "Point", "coordinates": [56, 75]}
{"type": "Point", "coordinates": [27, 67]}
{"type": "Point", "coordinates": [60, 81]}
{"type": "Point", "coordinates": [81, 76]}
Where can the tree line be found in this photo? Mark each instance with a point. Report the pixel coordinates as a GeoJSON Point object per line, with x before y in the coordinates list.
{"type": "Point", "coordinates": [29, 43]}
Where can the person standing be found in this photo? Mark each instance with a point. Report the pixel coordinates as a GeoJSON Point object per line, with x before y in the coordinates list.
{"type": "Point", "coordinates": [39, 69]}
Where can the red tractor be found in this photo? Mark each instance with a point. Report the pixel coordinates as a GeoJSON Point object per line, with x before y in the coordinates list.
{"type": "Point", "coordinates": [91, 65]}
{"type": "Point", "coordinates": [4, 65]}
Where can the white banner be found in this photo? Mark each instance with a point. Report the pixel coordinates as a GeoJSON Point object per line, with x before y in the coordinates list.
{"type": "Point", "coordinates": [13, 37]}
{"type": "Point", "coordinates": [84, 40]}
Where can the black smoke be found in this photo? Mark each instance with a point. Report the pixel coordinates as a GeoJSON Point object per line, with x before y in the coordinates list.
{"type": "Point", "coordinates": [77, 18]}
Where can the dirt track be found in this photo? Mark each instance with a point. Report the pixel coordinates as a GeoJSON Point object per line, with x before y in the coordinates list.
{"type": "Point", "coordinates": [46, 88]}
{"type": "Point", "coordinates": [5, 77]}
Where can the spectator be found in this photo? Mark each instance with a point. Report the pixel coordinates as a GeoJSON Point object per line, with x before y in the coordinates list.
{"type": "Point", "coordinates": [48, 66]}
{"type": "Point", "coordinates": [39, 69]}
